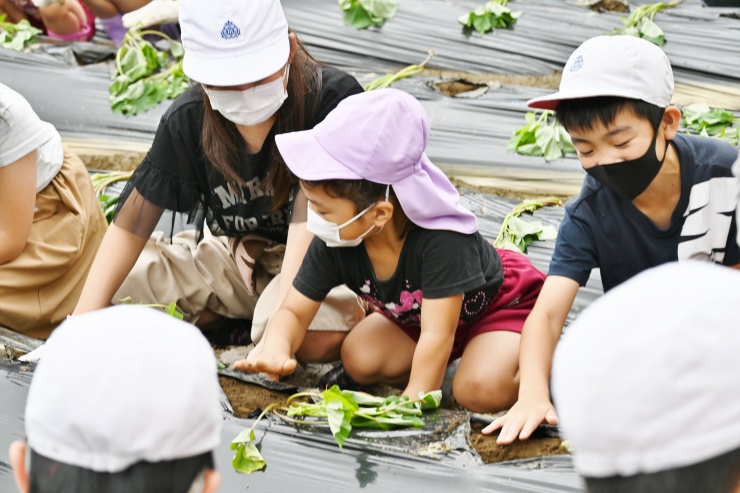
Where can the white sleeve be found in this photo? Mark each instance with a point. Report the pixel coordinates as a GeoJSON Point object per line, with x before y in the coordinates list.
{"type": "Point", "coordinates": [22, 131]}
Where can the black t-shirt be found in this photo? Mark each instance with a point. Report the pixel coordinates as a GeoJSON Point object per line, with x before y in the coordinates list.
{"type": "Point", "coordinates": [603, 230]}
{"type": "Point", "coordinates": [432, 264]}
{"type": "Point", "coordinates": [176, 175]}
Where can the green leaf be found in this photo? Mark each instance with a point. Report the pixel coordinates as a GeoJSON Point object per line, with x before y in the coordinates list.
{"type": "Point", "coordinates": [363, 398]}
{"type": "Point", "coordinates": [430, 400]}
{"type": "Point", "coordinates": [650, 31]}
{"type": "Point", "coordinates": [339, 410]}
{"type": "Point", "coordinates": [247, 458]}
{"type": "Point", "coordinates": [380, 9]}
{"type": "Point", "coordinates": [489, 16]}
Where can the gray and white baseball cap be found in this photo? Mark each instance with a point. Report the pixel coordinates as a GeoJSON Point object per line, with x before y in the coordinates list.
{"type": "Point", "coordinates": [122, 385]}
{"type": "Point", "coordinates": [622, 66]}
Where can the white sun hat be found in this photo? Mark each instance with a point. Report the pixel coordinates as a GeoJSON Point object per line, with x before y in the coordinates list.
{"type": "Point", "coordinates": [233, 42]}
{"type": "Point", "coordinates": [122, 385]}
{"type": "Point", "coordinates": [646, 379]}
{"type": "Point", "coordinates": [621, 66]}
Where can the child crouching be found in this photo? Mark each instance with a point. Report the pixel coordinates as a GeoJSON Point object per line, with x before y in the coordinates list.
{"type": "Point", "coordinates": [388, 225]}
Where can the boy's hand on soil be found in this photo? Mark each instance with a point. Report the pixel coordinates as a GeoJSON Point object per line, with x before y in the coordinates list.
{"type": "Point", "coordinates": [521, 420]}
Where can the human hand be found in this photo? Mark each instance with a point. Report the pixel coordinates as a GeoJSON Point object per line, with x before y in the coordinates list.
{"type": "Point", "coordinates": [155, 12]}
{"type": "Point", "coordinates": [270, 363]}
{"type": "Point", "coordinates": [522, 419]}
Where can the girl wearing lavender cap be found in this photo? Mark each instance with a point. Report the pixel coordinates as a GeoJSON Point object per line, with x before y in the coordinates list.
{"type": "Point", "coordinates": [388, 225]}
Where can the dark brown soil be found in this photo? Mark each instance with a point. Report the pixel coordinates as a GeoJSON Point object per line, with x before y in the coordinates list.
{"type": "Point", "coordinates": [490, 451]}
{"type": "Point", "coordinates": [549, 81]}
{"type": "Point", "coordinates": [245, 398]}
{"type": "Point", "coordinates": [502, 192]}
{"type": "Point", "coordinates": [610, 6]}
{"type": "Point", "coordinates": [123, 161]}
{"type": "Point", "coordinates": [455, 87]}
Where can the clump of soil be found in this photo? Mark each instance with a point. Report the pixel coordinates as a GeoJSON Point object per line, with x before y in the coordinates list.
{"type": "Point", "coordinates": [548, 81]}
{"type": "Point", "coordinates": [503, 192]}
{"type": "Point", "coordinates": [535, 446]}
{"type": "Point", "coordinates": [121, 161]}
{"type": "Point", "coordinates": [460, 86]}
{"type": "Point", "coordinates": [245, 398]}
{"type": "Point", "coordinates": [610, 6]}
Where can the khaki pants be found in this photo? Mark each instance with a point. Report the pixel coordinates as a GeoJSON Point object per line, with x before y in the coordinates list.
{"type": "Point", "coordinates": [205, 276]}
{"type": "Point", "coordinates": [41, 286]}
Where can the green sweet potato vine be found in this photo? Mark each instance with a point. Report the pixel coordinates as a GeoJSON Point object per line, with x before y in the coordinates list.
{"type": "Point", "coordinates": [516, 234]}
{"type": "Point", "coordinates": [486, 18]}
{"type": "Point", "coordinates": [711, 122]}
{"type": "Point", "coordinates": [145, 76]}
{"type": "Point", "coordinates": [341, 410]}
{"type": "Point", "coordinates": [641, 22]}
{"type": "Point", "coordinates": [541, 136]}
{"type": "Point", "coordinates": [16, 36]}
{"type": "Point", "coordinates": [362, 14]}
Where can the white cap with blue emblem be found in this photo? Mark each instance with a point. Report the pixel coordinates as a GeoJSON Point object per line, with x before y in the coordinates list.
{"type": "Point", "coordinates": [233, 42]}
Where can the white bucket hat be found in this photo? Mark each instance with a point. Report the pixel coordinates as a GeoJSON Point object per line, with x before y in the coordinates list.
{"type": "Point", "coordinates": [622, 66]}
{"type": "Point", "coordinates": [646, 379]}
{"type": "Point", "coordinates": [122, 385]}
{"type": "Point", "coordinates": [232, 42]}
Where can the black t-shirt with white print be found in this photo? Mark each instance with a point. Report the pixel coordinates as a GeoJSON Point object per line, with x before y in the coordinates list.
{"type": "Point", "coordinates": [177, 176]}
{"type": "Point", "coordinates": [432, 264]}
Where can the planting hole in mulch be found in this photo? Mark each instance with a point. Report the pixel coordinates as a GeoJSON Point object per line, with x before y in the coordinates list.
{"type": "Point", "coordinates": [538, 445]}
{"type": "Point", "coordinates": [460, 87]}
{"type": "Point", "coordinates": [245, 398]}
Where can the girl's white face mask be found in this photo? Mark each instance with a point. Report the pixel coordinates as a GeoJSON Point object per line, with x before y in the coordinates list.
{"type": "Point", "coordinates": [251, 106]}
{"type": "Point", "coordinates": [329, 232]}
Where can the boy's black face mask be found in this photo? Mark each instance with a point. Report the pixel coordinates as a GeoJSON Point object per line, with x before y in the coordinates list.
{"type": "Point", "coordinates": [629, 179]}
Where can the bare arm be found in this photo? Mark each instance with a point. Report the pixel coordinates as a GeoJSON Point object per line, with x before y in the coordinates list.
{"type": "Point", "coordinates": [116, 257]}
{"type": "Point", "coordinates": [540, 335]}
{"type": "Point", "coordinates": [439, 319]}
{"type": "Point", "coordinates": [17, 204]}
{"type": "Point", "coordinates": [283, 336]}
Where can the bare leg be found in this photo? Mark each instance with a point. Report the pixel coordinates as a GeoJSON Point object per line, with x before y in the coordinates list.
{"type": "Point", "coordinates": [64, 19]}
{"type": "Point", "coordinates": [377, 351]}
{"type": "Point", "coordinates": [106, 9]}
{"type": "Point", "coordinates": [487, 379]}
{"type": "Point", "coordinates": [15, 15]}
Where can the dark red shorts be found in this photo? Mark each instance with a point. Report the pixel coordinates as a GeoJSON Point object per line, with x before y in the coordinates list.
{"type": "Point", "coordinates": [509, 308]}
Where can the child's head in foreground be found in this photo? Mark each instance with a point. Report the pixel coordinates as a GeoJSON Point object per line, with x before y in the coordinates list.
{"type": "Point", "coordinates": [124, 399]}
{"type": "Point", "coordinates": [646, 385]}
{"type": "Point", "coordinates": [365, 165]}
{"type": "Point", "coordinates": [615, 102]}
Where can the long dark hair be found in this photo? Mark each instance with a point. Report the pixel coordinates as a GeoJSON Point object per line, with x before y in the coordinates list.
{"type": "Point", "coordinates": [222, 142]}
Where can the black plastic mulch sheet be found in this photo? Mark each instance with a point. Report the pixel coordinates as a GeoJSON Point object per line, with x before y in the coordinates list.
{"type": "Point", "coordinates": [309, 459]}
{"type": "Point", "coordinates": [702, 45]}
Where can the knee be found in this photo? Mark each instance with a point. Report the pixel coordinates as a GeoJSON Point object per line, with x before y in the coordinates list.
{"type": "Point", "coordinates": [481, 394]}
{"type": "Point", "coordinates": [360, 361]}
{"type": "Point", "coordinates": [321, 347]}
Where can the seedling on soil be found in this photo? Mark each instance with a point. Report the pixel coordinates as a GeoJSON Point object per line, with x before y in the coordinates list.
{"type": "Point", "coordinates": [388, 79]}
{"type": "Point", "coordinates": [541, 136]}
{"type": "Point", "coordinates": [641, 24]}
{"type": "Point", "coordinates": [16, 36]}
{"type": "Point", "coordinates": [341, 410]}
{"type": "Point", "coordinates": [362, 14]}
{"type": "Point", "coordinates": [711, 122]}
{"type": "Point", "coordinates": [486, 18]}
{"type": "Point", "coordinates": [169, 309]}
{"type": "Point", "coordinates": [145, 76]}
{"type": "Point", "coordinates": [516, 234]}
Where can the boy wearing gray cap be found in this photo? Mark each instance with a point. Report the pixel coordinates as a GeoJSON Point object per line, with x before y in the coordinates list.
{"type": "Point", "coordinates": [113, 407]}
{"type": "Point", "coordinates": [651, 196]}
{"type": "Point", "coordinates": [646, 383]}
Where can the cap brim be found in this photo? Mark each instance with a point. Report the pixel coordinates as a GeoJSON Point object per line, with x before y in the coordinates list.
{"type": "Point", "coordinates": [551, 101]}
{"type": "Point", "coordinates": [215, 70]}
{"type": "Point", "coordinates": [308, 160]}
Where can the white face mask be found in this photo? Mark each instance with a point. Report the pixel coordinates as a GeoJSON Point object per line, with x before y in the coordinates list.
{"type": "Point", "coordinates": [329, 232]}
{"type": "Point", "coordinates": [251, 106]}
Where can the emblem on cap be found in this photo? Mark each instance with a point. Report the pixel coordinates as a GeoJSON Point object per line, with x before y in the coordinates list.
{"type": "Point", "coordinates": [230, 31]}
{"type": "Point", "coordinates": [577, 64]}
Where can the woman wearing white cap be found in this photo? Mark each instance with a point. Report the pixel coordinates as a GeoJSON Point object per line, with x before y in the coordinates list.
{"type": "Point", "coordinates": [214, 157]}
